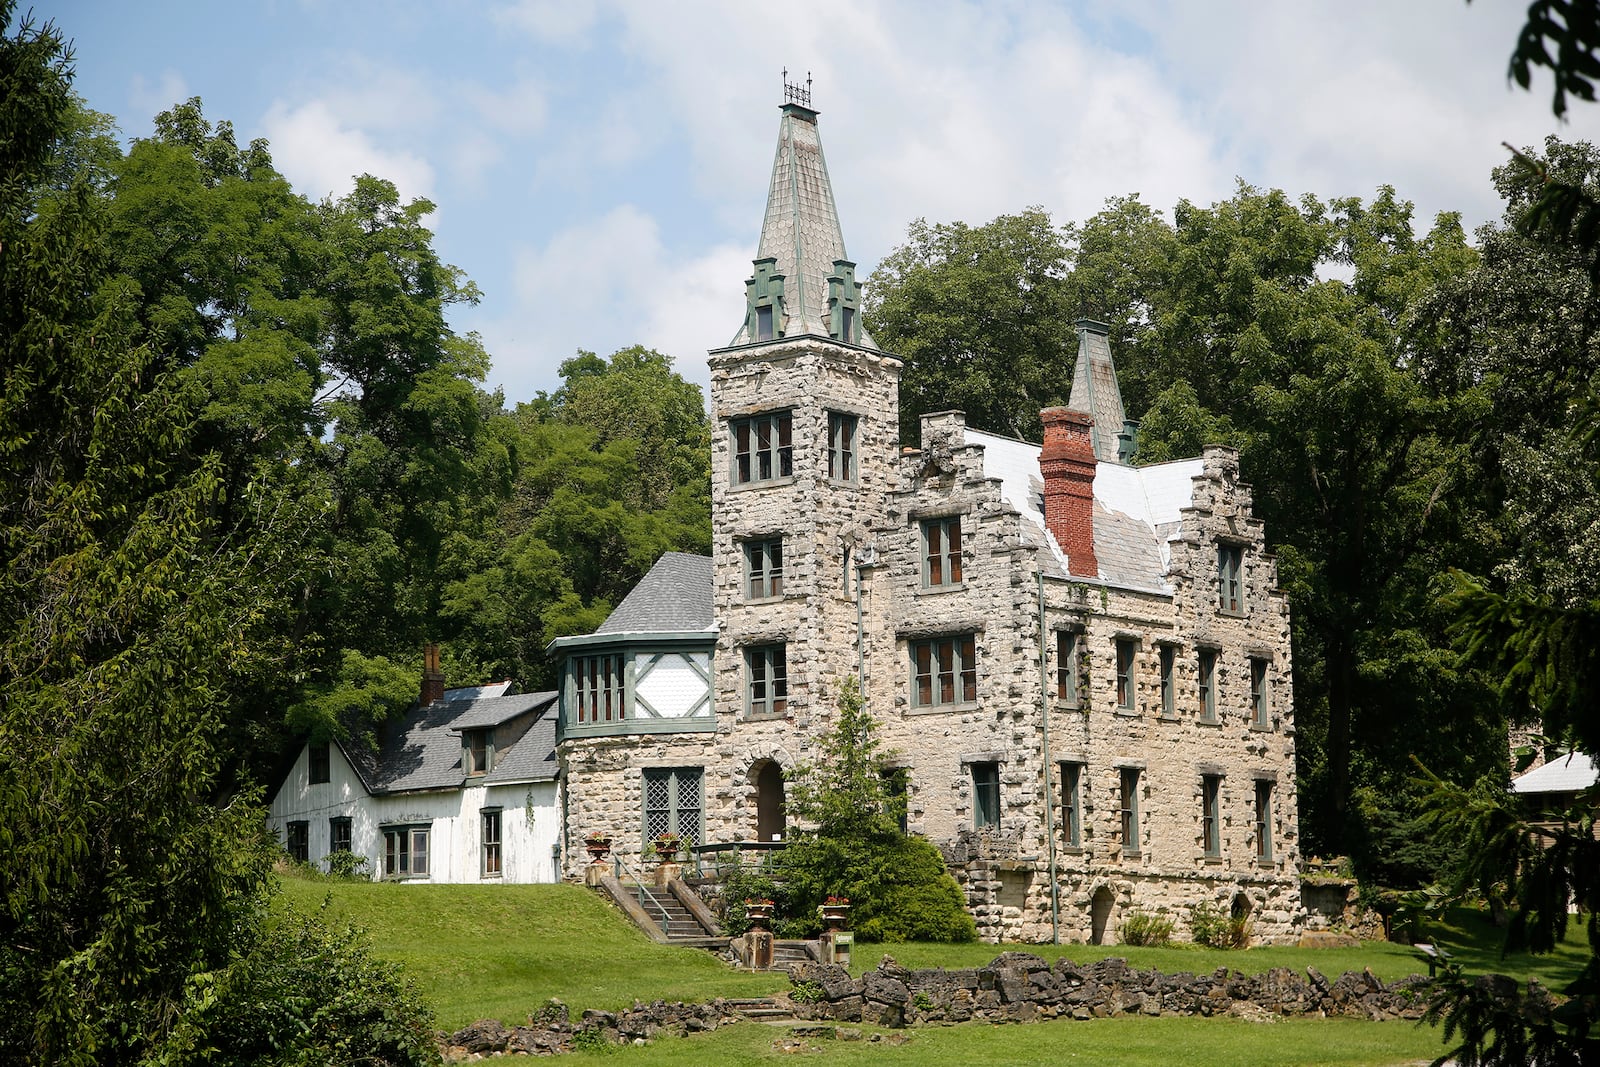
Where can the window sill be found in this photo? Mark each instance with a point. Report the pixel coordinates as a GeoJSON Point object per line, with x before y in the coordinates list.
{"type": "Point", "coordinates": [1241, 613]}
{"type": "Point", "coordinates": [491, 877]}
{"type": "Point", "coordinates": [1208, 722]}
{"type": "Point", "coordinates": [768, 716]}
{"type": "Point", "coordinates": [1130, 854]}
{"type": "Point", "coordinates": [1261, 727]}
{"type": "Point", "coordinates": [763, 599]}
{"type": "Point", "coordinates": [941, 709]}
{"type": "Point", "coordinates": [1070, 850]}
{"type": "Point", "coordinates": [1068, 704]}
{"type": "Point", "coordinates": [931, 590]}
{"type": "Point", "coordinates": [1131, 713]}
{"type": "Point", "coordinates": [739, 487]}
{"type": "Point", "coordinates": [1210, 860]}
{"type": "Point", "coordinates": [1267, 865]}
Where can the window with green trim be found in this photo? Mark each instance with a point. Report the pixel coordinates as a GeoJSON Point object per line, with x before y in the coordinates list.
{"type": "Point", "coordinates": [763, 569]}
{"type": "Point", "coordinates": [1072, 804]}
{"type": "Point", "coordinates": [405, 851]}
{"type": "Point", "coordinates": [763, 448]}
{"type": "Point", "coordinates": [1128, 809]}
{"type": "Point", "coordinates": [1264, 821]}
{"type": "Point", "coordinates": [1169, 688]}
{"type": "Point", "coordinates": [1208, 685]}
{"type": "Point", "coordinates": [1126, 693]}
{"type": "Point", "coordinates": [489, 843]}
{"type": "Point", "coordinates": [1230, 587]}
{"type": "Point", "coordinates": [598, 681]}
{"type": "Point", "coordinates": [842, 446]}
{"type": "Point", "coordinates": [941, 552]}
{"type": "Point", "coordinates": [1211, 815]}
{"type": "Point", "coordinates": [1067, 666]}
{"type": "Point", "coordinates": [674, 803]}
{"type": "Point", "coordinates": [1260, 706]}
{"type": "Point", "coordinates": [944, 671]}
{"type": "Point", "coordinates": [766, 681]}
{"type": "Point", "coordinates": [985, 795]}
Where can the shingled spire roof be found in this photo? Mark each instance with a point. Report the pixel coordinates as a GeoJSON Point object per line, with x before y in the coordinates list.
{"type": "Point", "coordinates": [802, 247]}
{"type": "Point", "coordinates": [1095, 390]}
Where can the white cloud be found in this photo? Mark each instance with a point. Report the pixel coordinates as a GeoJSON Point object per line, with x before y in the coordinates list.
{"type": "Point", "coordinates": [321, 154]}
{"type": "Point", "coordinates": [550, 21]}
{"type": "Point", "coordinates": [149, 97]}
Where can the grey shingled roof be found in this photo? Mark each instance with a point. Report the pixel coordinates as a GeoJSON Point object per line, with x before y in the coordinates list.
{"type": "Point", "coordinates": [675, 597]}
{"type": "Point", "coordinates": [801, 228]}
{"type": "Point", "coordinates": [532, 759]}
{"type": "Point", "coordinates": [1095, 391]}
{"type": "Point", "coordinates": [422, 749]}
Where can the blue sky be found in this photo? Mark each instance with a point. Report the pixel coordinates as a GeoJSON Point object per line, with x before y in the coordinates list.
{"type": "Point", "coordinates": [600, 169]}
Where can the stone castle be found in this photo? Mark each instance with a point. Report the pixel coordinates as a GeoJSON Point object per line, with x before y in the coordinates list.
{"type": "Point", "coordinates": [1081, 667]}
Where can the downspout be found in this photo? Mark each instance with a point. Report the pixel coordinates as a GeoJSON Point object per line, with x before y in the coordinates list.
{"type": "Point", "coordinates": [1049, 792]}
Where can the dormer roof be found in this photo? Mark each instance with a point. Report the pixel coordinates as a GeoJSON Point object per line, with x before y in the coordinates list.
{"type": "Point", "coordinates": [1095, 390]}
{"type": "Point", "coordinates": [802, 245]}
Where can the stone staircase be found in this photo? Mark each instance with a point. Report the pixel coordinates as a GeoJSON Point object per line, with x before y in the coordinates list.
{"type": "Point", "coordinates": [761, 1009]}
{"type": "Point", "coordinates": [786, 952]}
{"type": "Point", "coordinates": [672, 915]}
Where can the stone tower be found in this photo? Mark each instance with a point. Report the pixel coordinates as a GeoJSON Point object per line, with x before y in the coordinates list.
{"type": "Point", "coordinates": [805, 412]}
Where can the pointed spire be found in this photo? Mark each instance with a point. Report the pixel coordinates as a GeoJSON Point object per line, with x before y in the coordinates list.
{"type": "Point", "coordinates": [1095, 391]}
{"type": "Point", "coordinates": [802, 282]}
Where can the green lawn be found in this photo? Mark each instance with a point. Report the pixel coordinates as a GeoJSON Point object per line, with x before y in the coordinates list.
{"type": "Point", "coordinates": [1126, 1042]}
{"type": "Point", "coordinates": [499, 951]}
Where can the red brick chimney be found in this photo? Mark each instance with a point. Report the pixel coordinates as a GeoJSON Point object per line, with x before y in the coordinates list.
{"type": "Point", "coordinates": [1067, 463]}
{"type": "Point", "coordinates": [432, 676]}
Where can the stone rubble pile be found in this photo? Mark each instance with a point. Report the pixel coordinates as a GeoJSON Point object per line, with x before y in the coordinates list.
{"type": "Point", "coordinates": [551, 1030]}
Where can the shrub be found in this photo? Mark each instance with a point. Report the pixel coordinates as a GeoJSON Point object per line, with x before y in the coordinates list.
{"type": "Point", "coordinates": [1215, 928]}
{"type": "Point", "coordinates": [347, 866]}
{"type": "Point", "coordinates": [1143, 928]}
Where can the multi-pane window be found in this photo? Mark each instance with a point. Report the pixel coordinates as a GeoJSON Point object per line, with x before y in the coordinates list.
{"type": "Point", "coordinates": [405, 851]}
{"type": "Point", "coordinates": [766, 681]}
{"type": "Point", "coordinates": [1260, 709]}
{"type": "Point", "coordinates": [672, 803]}
{"type": "Point", "coordinates": [1169, 696]}
{"type": "Point", "coordinates": [321, 763]}
{"type": "Point", "coordinates": [1208, 685]}
{"type": "Point", "coordinates": [339, 833]}
{"type": "Point", "coordinates": [985, 795]}
{"type": "Point", "coordinates": [941, 552]}
{"type": "Point", "coordinates": [1125, 679]}
{"type": "Point", "coordinates": [842, 446]}
{"type": "Point", "coordinates": [1067, 666]}
{"type": "Point", "coordinates": [599, 687]}
{"type": "Point", "coordinates": [1072, 803]}
{"type": "Point", "coordinates": [479, 752]}
{"type": "Point", "coordinates": [763, 569]}
{"type": "Point", "coordinates": [1128, 808]}
{"type": "Point", "coordinates": [944, 671]}
{"type": "Point", "coordinates": [298, 841]}
{"type": "Point", "coordinates": [1211, 815]}
{"type": "Point", "coordinates": [763, 447]}
{"type": "Point", "coordinates": [1264, 821]}
{"type": "Point", "coordinates": [489, 842]}
{"type": "Point", "coordinates": [1230, 592]}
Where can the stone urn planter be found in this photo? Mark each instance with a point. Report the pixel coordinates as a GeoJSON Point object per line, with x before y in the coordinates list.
{"type": "Point", "coordinates": [598, 846]}
{"type": "Point", "coordinates": [759, 912]}
{"type": "Point", "coordinates": [667, 847]}
{"type": "Point", "coordinates": [836, 912]}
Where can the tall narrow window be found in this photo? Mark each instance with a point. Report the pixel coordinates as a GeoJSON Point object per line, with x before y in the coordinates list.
{"type": "Point", "coordinates": [1260, 710]}
{"type": "Point", "coordinates": [1067, 666]}
{"type": "Point", "coordinates": [1072, 803]}
{"type": "Point", "coordinates": [489, 843]}
{"type": "Point", "coordinates": [1128, 806]}
{"type": "Point", "coordinates": [599, 688]}
{"type": "Point", "coordinates": [763, 448]}
{"type": "Point", "coordinates": [842, 446]}
{"type": "Point", "coordinates": [1125, 678]}
{"type": "Point", "coordinates": [847, 324]}
{"type": "Point", "coordinates": [339, 833]}
{"type": "Point", "coordinates": [673, 803]}
{"type": "Point", "coordinates": [298, 841]}
{"type": "Point", "coordinates": [1169, 697]}
{"type": "Point", "coordinates": [985, 795]}
{"type": "Point", "coordinates": [321, 763]}
{"type": "Point", "coordinates": [1264, 821]}
{"type": "Point", "coordinates": [764, 322]}
{"type": "Point", "coordinates": [1230, 593]}
{"type": "Point", "coordinates": [1211, 815]}
{"type": "Point", "coordinates": [1208, 685]}
{"type": "Point", "coordinates": [763, 569]}
{"type": "Point", "coordinates": [941, 552]}
{"type": "Point", "coordinates": [767, 681]}
{"type": "Point", "coordinates": [944, 671]}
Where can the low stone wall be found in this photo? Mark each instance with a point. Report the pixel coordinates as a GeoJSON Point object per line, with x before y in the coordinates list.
{"type": "Point", "coordinates": [1021, 987]}
{"type": "Point", "coordinates": [551, 1030]}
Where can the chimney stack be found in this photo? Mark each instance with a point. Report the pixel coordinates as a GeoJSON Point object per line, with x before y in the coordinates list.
{"type": "Point", "coordinates": [1067, 462]}
{"type": "Point", "coordinates": [432, 676]}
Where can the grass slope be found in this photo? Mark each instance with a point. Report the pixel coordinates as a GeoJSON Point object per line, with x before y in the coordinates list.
{"type": "Point", "coordinates": [499, 951]}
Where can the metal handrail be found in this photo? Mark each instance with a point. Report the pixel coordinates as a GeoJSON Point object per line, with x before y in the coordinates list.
{"type": "Point", "coordinates": [700, 853]}
{"type": "Point", "coordinates": [622, 868]}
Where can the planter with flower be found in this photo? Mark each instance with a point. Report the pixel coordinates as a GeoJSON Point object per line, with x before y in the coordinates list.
{"type": "Point", "coordinates": [667, 847]}
{"type": "Point", "coordinates": [759, 911]}
{"type": "Point", "coordinates": [598, 846]}
{"type": "Point", "coordinates": [835, 912]}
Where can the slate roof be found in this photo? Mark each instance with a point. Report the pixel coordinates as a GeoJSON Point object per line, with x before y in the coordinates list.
{"type": "Point", "coordinates": [801, 228]}
{"type": "Point", "coordinates": [422, 749]}
{"type": "Point", "coordinates": [675, 597]}
{"type": "Point", "coordinates": [1095, 390]}
{"type": "Point", "coordinates": [1137, 510]}
{"type": "Point", "coordinates": [1566, 774]}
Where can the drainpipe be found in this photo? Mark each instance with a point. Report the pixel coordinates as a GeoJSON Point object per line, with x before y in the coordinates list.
{"type": "Point", "coordinates": [1049, 792]}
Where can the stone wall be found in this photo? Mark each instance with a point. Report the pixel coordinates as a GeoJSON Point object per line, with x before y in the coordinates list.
{"type": "Point", "coordinates": [1020, 987]}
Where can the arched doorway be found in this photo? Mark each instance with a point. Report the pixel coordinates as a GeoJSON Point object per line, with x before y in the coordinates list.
{"type": "Point", "coordinates": [1240, 914]}
{"type": "Point", "coordinates": [1100, 906]}
{"type": "Point", "coordinates": [770, 816]}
